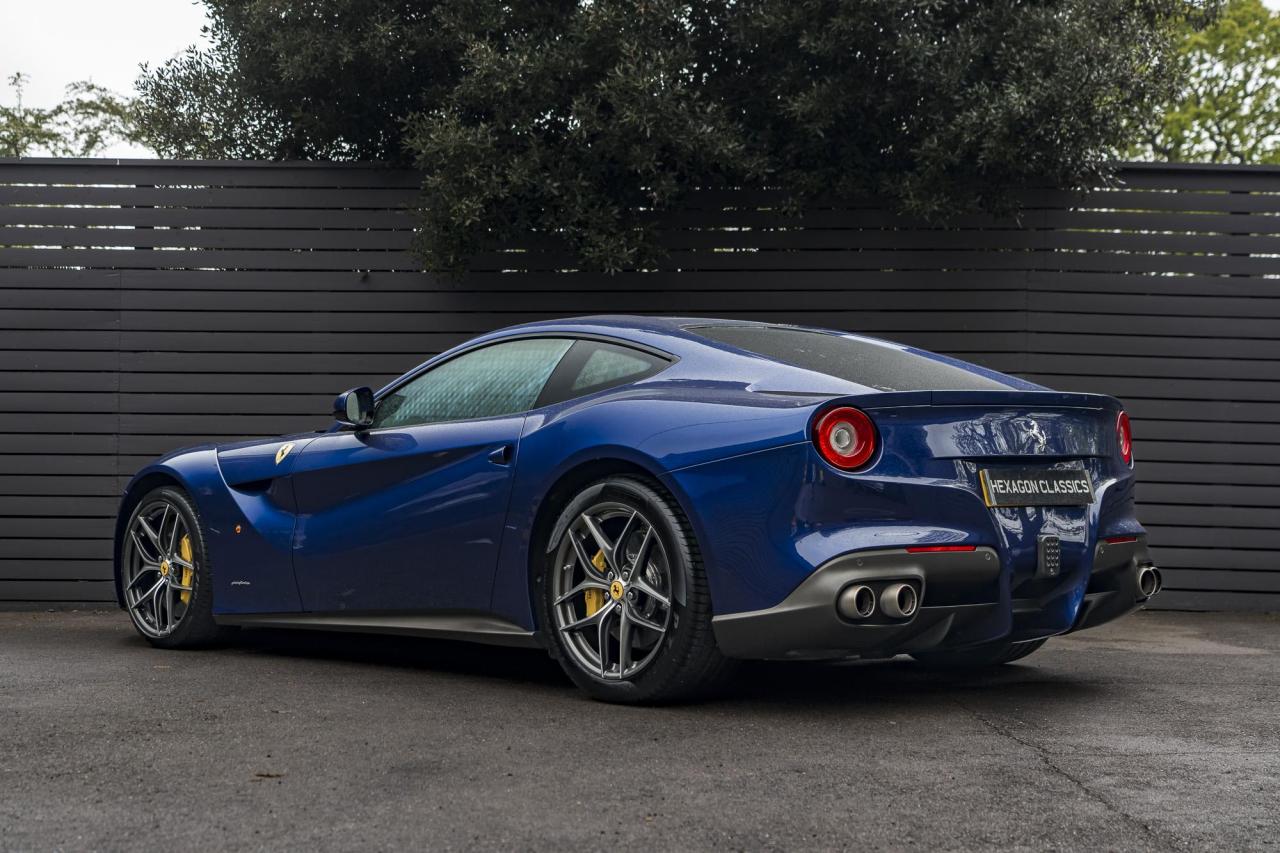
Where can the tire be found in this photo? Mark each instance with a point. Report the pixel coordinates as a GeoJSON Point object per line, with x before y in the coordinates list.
{"type": "Point", "coordinates": [179, 612]}
{"type": "Point", "coordinates": [979, 657]}
{"type": "Point", "coordinates": [579, 583]}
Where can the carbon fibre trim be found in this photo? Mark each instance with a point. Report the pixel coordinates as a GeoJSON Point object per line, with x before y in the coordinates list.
{"type": "Point", "coordinates": [471, 627]}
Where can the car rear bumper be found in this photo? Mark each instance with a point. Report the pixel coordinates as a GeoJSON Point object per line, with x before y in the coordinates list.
{"type": "Point", "coordinates": [964, 601]}
{"type": "Point", "coordinates": [1114, 589]}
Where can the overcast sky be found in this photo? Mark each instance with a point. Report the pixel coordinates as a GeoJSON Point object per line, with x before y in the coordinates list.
{"type": "Point", "coordinates": [56, 42]}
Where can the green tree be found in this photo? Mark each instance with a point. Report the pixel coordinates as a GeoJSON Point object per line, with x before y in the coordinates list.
{"type": "Point", "coordinates": [578, 118]}
{"type": "Point", "coordinates": [1228, 111]}
{"type": "Point", "coordinates": [89, 119]}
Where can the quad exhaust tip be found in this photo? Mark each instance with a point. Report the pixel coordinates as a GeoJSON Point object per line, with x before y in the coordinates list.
{"type": "Point", "coordinates": [899, 601]}
{"type": "Point", "coordinates": [1149, 581]}
{"type": "Point", "coordinates": [857, 602]}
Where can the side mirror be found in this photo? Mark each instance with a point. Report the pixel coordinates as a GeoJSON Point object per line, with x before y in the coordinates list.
{"type": "Point", "coordinates": [354, 408]}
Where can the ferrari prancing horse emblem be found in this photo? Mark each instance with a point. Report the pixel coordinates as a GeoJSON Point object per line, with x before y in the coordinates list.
{"type": "Point", "coordinates": [283, 452]}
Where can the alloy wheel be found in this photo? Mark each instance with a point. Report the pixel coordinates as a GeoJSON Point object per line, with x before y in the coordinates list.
{"type": "Point", "coordinates": [612, 591]}
{"type": "Point", "coordinates": [159, 568]}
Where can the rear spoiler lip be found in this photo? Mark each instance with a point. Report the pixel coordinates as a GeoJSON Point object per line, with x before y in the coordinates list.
{"type": "Point", "coordinates": [1021, 399]}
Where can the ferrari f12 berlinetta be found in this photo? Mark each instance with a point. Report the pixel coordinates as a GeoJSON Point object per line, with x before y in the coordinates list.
{"type": "Point", "coordinates": [652, 498]}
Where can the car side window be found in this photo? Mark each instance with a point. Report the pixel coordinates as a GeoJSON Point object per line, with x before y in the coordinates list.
{"type": "Point", "coordinates": [500, 379]}
{"type": "Point", "coordinates": [593, 366]}
{"type": "Point", "coordinates": [610, 365]}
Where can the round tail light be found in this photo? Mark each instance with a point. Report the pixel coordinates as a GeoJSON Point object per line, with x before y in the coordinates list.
{"type": "Point", "coordinates": [845, 437]}
{"type": "Point", "coordinates": [1125, 438]}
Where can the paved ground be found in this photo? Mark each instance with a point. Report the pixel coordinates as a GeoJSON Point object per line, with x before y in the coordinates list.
{"type": "Point", "coordinates": [1159, 732]}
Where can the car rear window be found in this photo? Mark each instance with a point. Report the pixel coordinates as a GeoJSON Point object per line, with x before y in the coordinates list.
{"type": "Point", "coordinates": [875, 365]}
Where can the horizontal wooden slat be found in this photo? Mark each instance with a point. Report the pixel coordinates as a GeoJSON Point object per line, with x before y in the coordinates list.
{"type": "Point", "coordinates": [1201, 451]}
{"type": "Point", "coordinates": [1133, 200]}
{"type": "Point", "coordinates": [126, 259]}
{"type": "Point", "coordinates": [374, 307]}
{"type": "Point", "coordinates": [187, 173]}
{"type": "Point", "coordinates": [57, 464]}
{"type": "Point", "coordinates": [57, 590]}
{"type": "Point", "coordinates": [215, 238]}
{"type": "Point", "coordinates": [371, 281]}
{"type": "Point", "coordinates": [253, 362]}
{"type": "Point", "coordinates": [100, 529]}
{"type": "Point", "coordinates": [204, 217]}
{"type": "Point", "coordinates": [1201, 515]}
{"type": "Point", "coordinates": [27, 569]}
{"type": "Point", "coordinates": [1046, 365]}
{"type": "Point", "coordinates": [1167, 388]}
{"type": "Point", "coordinates": [1204, 431]}
{"type": "Point", "coordinates": [1203, 600]}
{"type": "Point", "coordinates": [58, 506]}
{"type": "Point", "coordinates": [1225, 410]}
{"type": "Point", "coordinates": [1201, 536]}
{"type": "Point", "coordinates": [1083, 340]}
{"type": "Point", "coordinates": [62, 381]}
{"type": "Point", "coordinates": [208, 196]}
{"type": "Point", "coordinates": [55, 548]}
{"type": "Point", "coordinates": [60, 485]}
{"type": "Point", "coordinates": [1154, 305]}
{"type": "Point", "coordinates": [1191, 579]}
{"type": "Point", "coordinates": [1167, 222]}
{"type": "Point", "coordinates": [1229, 559]}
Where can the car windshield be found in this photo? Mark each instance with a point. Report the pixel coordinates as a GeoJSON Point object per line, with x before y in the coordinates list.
{"type": "Point", "coordinates": [876, 365]}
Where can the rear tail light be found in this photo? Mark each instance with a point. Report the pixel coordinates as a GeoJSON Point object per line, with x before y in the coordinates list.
{"type": "Point", "coordinates": [1125, 437]}
{"type": "Point", "coordinates": [934, 549]}
{"type": "Point", "coordinates": [845, 437]}
{"type": "Point", "coordinates": [1118, 540]}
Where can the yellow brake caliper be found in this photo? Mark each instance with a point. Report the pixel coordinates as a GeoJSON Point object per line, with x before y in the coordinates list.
{"type": "Point", "coordinates": [184, 551]}
{"type": "Point", "coordinates": [595, 597]}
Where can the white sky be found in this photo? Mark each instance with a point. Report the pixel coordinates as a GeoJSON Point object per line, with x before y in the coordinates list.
{"type": "Point", "coordinates": [56, 42]}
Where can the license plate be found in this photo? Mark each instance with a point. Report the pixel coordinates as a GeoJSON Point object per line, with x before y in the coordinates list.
{"type": "Point", "coordinates": [1036, 486]}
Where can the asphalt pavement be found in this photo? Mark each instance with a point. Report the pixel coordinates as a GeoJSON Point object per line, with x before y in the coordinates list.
{"type": "Point", "coordinates": [1158, 732]}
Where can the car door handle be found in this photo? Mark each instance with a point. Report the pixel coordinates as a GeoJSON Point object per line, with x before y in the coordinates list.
{"type": "Point", "coordinates": [501, 455]}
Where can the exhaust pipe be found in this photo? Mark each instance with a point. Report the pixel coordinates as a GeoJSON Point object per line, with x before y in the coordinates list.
{"type": "Point", "coordinates": [1149, 581]}
{"type": "Point", "coordinates": [856, 602]}
{"type": "Point", "coordinates": [899, 601]}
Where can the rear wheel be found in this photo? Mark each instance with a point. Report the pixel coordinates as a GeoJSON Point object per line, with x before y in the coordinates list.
{"type": "Point", "coordinates": [979, 657]}
{"type": "Point", "coordinates": [624, 598]}
{"type": "Point", "coordinates": [164, 572]}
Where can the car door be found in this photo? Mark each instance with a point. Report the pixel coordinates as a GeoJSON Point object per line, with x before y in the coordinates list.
{"type": "Point", "coordinates": [408, 514]}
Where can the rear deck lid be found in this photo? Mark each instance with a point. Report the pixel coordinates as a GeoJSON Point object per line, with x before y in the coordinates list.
{"type": "Point", "coordinates": [994, 424]}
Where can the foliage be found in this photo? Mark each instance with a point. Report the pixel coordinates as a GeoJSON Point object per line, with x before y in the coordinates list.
{"type": "Point", "coordinates": [88, 120]}
{"type": "Point", "coordinates": [579, 118]}
{"type": "Point", "coordinates": [1229, 109]}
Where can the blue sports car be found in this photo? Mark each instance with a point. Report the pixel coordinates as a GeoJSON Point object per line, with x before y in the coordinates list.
{"type": "Point", "coordinates": [650, 499]}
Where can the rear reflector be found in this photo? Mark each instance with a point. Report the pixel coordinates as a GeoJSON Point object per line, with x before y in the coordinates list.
{"type": "Point", "coordinates": [1116, 540]}
{"type": "Point", "coordinates": [930, 549]}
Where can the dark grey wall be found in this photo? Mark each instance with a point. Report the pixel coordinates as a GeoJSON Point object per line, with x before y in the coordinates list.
{"type": "Point", "coordinates": [146, 305]}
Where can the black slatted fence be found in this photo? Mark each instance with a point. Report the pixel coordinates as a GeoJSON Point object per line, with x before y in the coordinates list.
{"type": "Point", "coordinates": [146, 305]}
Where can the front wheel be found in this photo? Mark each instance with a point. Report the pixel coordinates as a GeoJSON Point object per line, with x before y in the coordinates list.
{"type": "Point", "coordinates": [979, 657]}
{"type": "Point", "coordinates": [165, 574]}
{"type": "Point", "coordinates": [624, 599]}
